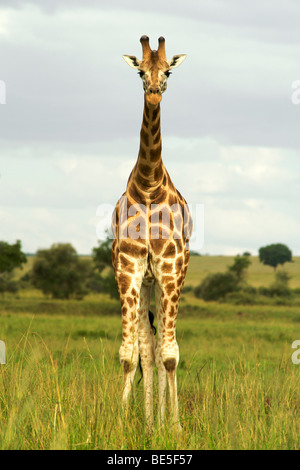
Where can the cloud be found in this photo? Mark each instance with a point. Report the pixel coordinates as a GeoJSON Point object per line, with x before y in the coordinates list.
{"type": "Point", "coordinates": [67, 165]}
{"type": "Point", "coordinates": [70, 127]}
{"type": "Point", "coordinates": [248, 197]}
{"type": "Point", "coordinates": [68, 81]}
{"type": "Point", "coordinates": [248, 228]}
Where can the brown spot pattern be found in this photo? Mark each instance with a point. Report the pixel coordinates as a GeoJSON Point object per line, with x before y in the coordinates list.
{"type": "Point", "coordinates": [126, 265]}
{"type": "Point", "coordinates": [170, 288]}
{"type": "Point", "coordinates": [135, 250]}
{"type": "Point", "coordinates": [145, 137]}
{"type": "Point", "coordinates": [170, 251]}
{"type": "Point", "coordinates": [123, 282]}
{"type": "Point", "coordinates": [155, 154]}
{"type": "Point", "coordinates": [167, 268]}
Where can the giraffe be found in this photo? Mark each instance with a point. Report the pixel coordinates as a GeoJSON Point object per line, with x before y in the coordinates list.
{"type": "Point", "coordinates": [151, 229]}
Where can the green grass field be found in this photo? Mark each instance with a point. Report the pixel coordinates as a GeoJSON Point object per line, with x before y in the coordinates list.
{"type": "Point", "coordinates": [238, 386]}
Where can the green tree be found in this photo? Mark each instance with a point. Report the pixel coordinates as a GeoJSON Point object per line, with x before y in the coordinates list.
{"type": "Point", "coordinates": [102, 254]}
{"type": "Point", "coordinates": [11, 257]}
{"type": "Point", "coordinates": [59, 272]}
{"type": "Point", "coordinates": [275, 254]}
{"type": "Point", "coordinates": [241, 263]}
{"type": "Point", "coordinates": [104, 278]}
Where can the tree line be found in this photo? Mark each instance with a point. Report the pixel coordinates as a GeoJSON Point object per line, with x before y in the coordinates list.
{"type": "Point", "coordinates": [61, 273]}
{"type": "Point", "coordinates": [232, 285]}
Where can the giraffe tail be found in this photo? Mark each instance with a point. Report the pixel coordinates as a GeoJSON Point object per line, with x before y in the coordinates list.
{"type": "Point", "coordinates": [151, 321]}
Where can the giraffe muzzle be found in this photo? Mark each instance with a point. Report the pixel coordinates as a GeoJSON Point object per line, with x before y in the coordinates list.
{"type": "Point", "coordinates": [153, 96]}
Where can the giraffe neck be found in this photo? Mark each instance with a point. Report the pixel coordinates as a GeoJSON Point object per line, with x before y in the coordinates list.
{"type": "Point", "coordinates": [148, 172]}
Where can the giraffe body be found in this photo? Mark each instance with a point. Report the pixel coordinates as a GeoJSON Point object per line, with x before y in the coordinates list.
{"type": "Point", "coordinates": [152, 227]}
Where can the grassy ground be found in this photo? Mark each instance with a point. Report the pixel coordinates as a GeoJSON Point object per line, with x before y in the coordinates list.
{"type": "Point", "coordinates": [238, 387]}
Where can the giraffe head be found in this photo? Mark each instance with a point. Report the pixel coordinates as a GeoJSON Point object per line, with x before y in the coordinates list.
{"type": "Point", "coordinates": [154, 69]}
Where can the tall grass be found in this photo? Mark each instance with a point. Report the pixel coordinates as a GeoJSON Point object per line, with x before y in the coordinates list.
{"type": "Point", "coordinates": [61, 387]}
{"type": "Point", "coordinates": [238, 388]}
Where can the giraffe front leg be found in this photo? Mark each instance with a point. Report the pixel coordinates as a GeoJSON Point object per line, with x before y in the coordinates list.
{"type": "Point", "coordinates": [129, 352]}
{"type": "Point", "coordinates": [168, 350]}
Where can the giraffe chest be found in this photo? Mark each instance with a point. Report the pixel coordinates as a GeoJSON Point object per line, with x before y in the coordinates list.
{"type": "Point", "coordinates": [151, 239]}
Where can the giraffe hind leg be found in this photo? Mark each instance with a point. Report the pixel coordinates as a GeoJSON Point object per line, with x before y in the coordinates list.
{"type": "Point", "coordinates": [151, 321]}
{"type": "Point", "coordinates": [147, 352]}
{"type": "Point", "coordinates": [162, 376]}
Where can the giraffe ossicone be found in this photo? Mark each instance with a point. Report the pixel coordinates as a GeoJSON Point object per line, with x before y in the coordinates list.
{"type": "Point", "coordinates": [151, 227]}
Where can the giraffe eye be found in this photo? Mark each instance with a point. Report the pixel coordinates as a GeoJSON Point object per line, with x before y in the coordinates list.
{"type": "Point", "coordinates": [167, 73]}
{"type": "Point", "coordinates": [141, 73]}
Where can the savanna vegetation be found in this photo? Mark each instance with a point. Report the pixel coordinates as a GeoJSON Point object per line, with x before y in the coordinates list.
{"type": "Point", "coordinates": [238, 385]}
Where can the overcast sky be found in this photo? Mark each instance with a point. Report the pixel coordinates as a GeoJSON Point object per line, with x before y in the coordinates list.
{"type": "Point", "coordinates": [69, 131]}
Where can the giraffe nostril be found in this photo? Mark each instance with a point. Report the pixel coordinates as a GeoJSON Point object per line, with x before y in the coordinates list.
{"type": "Point", "coordinates": [154, 90]}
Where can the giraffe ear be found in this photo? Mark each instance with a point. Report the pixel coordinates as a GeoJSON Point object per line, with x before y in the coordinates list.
{"type": "Point", "coordinates": [132, 61]}
{"type": "Point", "coordinates": [176, 60]}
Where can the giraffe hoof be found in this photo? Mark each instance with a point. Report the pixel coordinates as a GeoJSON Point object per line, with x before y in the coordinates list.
{"type": "Point", "coordinates": [128, 366]}
{"type": "Point", "coordinates": [170, 364]}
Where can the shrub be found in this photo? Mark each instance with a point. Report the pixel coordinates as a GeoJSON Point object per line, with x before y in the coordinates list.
{"type": "Point", "coordinates": [241, 297]}
{"type": "Point", "coordinates": [280, 287]}
{"type": "Point", "coordinates": [8, 285]}
{"type": "Point", "coordinates": [187, 289]}
{"type": "Point", "coordinates": [279, 290]}
{"type": "Point", "coordinates": [217, 286]}
{"type": "Point", "coordinates": [266, 291]}
{"type": "Point", "coordinates": [59, 271]}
